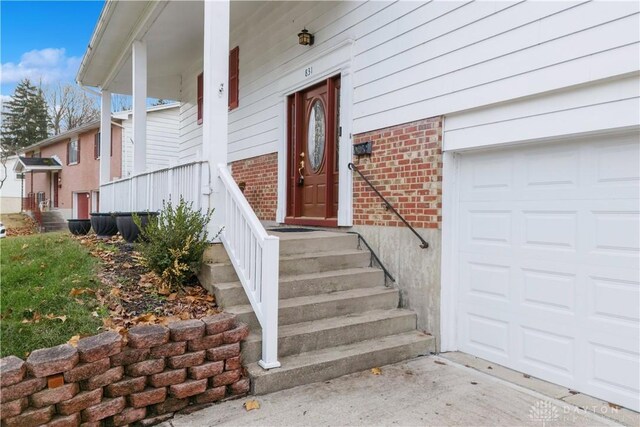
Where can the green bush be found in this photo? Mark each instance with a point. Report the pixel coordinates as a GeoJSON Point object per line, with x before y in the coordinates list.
{"type": "Point", "coordinates": [173, 243]}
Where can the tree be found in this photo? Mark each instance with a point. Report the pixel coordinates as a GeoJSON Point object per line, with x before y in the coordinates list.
{"type": "Point", "coordinates": [24, 121]}
{"type": "Point", "coordinates": [70, 107]}
{"type": "Point", "coordinates": [121, 102]}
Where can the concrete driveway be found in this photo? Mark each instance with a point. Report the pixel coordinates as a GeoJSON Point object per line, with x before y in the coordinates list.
{"type": "Point", "coordinates": [424, 391]}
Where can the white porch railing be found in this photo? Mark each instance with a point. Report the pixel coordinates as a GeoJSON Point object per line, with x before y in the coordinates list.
{"type": "Point", "coordinates": [147, 191]}
{"type": "Point", "coordinates": [255, 257]}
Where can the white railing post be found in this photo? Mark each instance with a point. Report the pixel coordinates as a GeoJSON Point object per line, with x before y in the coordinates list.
{"type": "Point", "coordinates": [270, 274]}
{"type": "Point", "coordinates": [170, 186]}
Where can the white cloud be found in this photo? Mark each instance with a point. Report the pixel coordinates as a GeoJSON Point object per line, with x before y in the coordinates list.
{"type": "Point", "coordinates": [49, 65]}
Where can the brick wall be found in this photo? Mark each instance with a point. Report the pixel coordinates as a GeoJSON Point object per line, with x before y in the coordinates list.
{"type": "Point", "coordinates": [406, 167]}
{"type": "Point", "coordinates": [260, 174]}
{"type": "Point", "coordinates": [102, 381]}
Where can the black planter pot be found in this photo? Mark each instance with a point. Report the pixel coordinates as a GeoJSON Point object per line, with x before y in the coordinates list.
{"type": "Point", "coordinates": [127, 228]}
{"type": "Point", "coordinates": [104, 224]}
{"type": "Point", "coordinates": [79, 227]}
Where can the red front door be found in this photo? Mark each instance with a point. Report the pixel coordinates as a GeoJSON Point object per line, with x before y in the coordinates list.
{"type": "Point", "coordinates": [84, 201]}
{"type": "Point", "coordinates": [55, 179]}
{"type": "Point", "coordinates": [313, 162]}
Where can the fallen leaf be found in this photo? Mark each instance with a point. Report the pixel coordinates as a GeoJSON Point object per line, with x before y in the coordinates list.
{"type": "Point", "coordinates": [95, 314]}
{"type": "Point", "coordinates": [74, 340]}
{"type": "Point", "coordinates": [376, 371]}
{"type": "Point", "coordinates": [74, 292]}
{"type": "Point", "coordinates": [25, 246]}
{"type": "Point", "coordinates": [614, 406]}
{"type": "Point", "coordinates": [52, 316]}
{"type": "Point", "coordinates": [474, 383]}
{"type": "Point", "coordinates": [251, 404]}
{"type": "Point", "coordinates": [172, 296]}
{"type": "Point", "coordinates": [115, 292]}
{"type": "Point", "coordinates": [439, 362]}
{"type": "Point", "coordinates": [526, 375]}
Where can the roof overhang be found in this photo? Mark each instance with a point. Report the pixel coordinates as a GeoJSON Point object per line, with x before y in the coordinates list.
{"type": "Point", "coordinates": [174, 35]}
{"type": "Point", "coordinates": [173, 32]}
{"type": "Point", "coordinates": [37, 164]}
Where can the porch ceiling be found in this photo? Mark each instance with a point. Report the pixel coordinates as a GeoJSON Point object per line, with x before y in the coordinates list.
{"type": "Point", "coordinates": [173, 31]}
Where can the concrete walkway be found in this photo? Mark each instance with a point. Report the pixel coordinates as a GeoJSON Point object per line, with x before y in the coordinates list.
{"type": "Point", "coordinates": [424, 391]}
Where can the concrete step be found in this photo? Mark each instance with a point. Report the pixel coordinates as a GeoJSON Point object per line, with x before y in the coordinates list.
{"type": "Point", "coordinates": [294, 243]}
{"type": "Point", "coordinates": [303, 263]}
{"type": "Point", "coordinates": [232, 293]}
{"type": "Point", "coordinates": [309, 308]}
{"type": "Point", "coordinates": [329, 363]}
{"type": "Point", "coordinates": [331, 332]}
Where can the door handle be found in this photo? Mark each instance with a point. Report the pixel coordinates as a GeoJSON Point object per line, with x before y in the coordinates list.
{"type": "Point", "coordinates": [301, 173]}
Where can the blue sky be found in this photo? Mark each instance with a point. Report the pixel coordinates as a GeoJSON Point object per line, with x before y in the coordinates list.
{"type": "Point", "coordinates": [44, 39]}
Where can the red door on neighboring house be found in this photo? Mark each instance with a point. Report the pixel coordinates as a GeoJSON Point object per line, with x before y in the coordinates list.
{"type": "Point", "coordinates": [56, 177]}
{"type": "Point", "coordinates": [312, 190]}
{"type": "Point", "coordinates": [84, 201]}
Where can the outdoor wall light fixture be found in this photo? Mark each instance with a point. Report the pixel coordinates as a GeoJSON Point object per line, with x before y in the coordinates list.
{"type": "Point", "coordinates": [305, 38]}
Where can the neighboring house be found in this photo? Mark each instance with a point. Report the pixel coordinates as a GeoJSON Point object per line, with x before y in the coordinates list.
{"type": "Point", "coordinates": [506, 133]}
{"type": "Point", "coordinates": [163, 123]}
{"type": "Point", "coordinates": [62, 172]}
{"type": "Point", "coordinates": [11, 191]}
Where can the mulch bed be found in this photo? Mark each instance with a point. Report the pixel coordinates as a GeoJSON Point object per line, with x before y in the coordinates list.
{"type": "Point", "coordinates": [133, 295]}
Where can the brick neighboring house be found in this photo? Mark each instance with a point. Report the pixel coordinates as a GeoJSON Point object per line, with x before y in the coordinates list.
{"type": "Point", "coordinates": [65, 179]}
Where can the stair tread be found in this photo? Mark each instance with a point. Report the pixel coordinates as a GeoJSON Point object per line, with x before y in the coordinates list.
{"type": "Point", "coordinates": [296, 277]}
{"type": "Point", "coordinates": [334, 322]}
{"type": "Point", "coordinates": [332, 354]}
{"type": "Point", "coordinates": [306, 255]}
{"type": "Point", "coordinates": [319, 298]}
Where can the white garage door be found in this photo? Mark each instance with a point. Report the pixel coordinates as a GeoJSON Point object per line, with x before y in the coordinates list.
{"type": "Point", "coordinates": [548, 265]}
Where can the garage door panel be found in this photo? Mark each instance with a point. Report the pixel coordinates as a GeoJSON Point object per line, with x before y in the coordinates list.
{"type": "Point", "coordinates": [616, 167]}
{"type": "Point", "coordinates": [615, 369]}
{"type": "Point", "coordinates": [612, 300]}
{"type": "Point", "coordinates": [549, 290]}
{"type": "Point", "coordinates": [548, 351]}
{"type": "Point", "coordinates": [549, 262]}
{"type": "Point", "coordinates": [488, 335]}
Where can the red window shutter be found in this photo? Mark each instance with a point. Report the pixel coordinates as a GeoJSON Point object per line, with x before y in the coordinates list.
{"type": "Point", "coordinates": [234, 74]}
{"type": "Point", "coordinates": [199, 98]}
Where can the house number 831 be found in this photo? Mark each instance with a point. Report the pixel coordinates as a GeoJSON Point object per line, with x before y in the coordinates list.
{"type": "Point", "coordinates": [308, 71]}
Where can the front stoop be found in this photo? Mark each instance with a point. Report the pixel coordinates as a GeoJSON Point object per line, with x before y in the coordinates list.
{"type": "Point", "coordinates": [336, 316]}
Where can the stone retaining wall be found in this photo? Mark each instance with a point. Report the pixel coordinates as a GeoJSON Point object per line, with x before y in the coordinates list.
{"type": "Point", "coordinates": [102, 382]}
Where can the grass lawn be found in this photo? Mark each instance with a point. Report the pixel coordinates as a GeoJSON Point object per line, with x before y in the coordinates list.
{"type": "Point", "coordinates": [37, 274]}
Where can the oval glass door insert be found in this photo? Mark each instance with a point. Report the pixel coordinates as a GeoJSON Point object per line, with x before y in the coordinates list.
{"type": "Point", "coordinates": [316, 135]}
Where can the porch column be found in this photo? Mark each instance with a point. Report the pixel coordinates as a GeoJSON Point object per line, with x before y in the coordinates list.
{"type": "Point", "coordinates": [105, 137]}
{"type": "Point", "coordinates": [139, 60]}
{"type": "Point", "coordinates": [215, 99]}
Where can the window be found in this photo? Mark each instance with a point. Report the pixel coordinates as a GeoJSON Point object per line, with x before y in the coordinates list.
{"type": "Point", "coordinates": [36, 154]}
{"type": "Point", "coordinates": [233, 85]}
{"type": "Point", "coordinates": [96, 146]}
{"type": "Point", "coordinates": [73, 152]}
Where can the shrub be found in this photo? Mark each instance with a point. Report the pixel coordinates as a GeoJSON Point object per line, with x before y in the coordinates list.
{"type": "Point", "coordinates": [173, 243]}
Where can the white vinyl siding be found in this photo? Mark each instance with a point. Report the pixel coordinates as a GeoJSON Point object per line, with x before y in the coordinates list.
{"type": "Point", "coordinates": [162, 140]}
{"type": "Point", "coordinates": [412, 60]}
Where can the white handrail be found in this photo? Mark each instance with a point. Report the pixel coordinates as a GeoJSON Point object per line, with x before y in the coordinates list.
{"type": "Point", "coordinates": [255, 257]}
